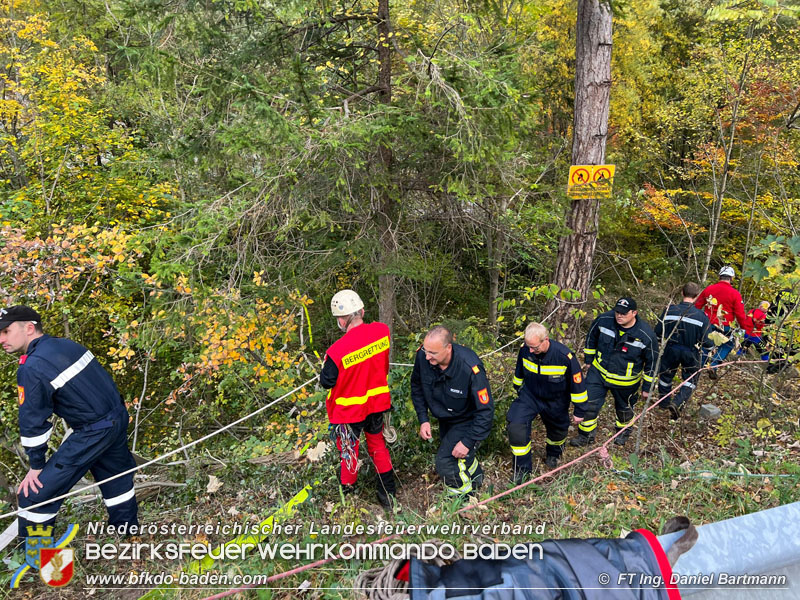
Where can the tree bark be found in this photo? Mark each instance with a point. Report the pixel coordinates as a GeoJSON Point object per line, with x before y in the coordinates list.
{"type": "Point", "coordinates": [387, 217]}
{"type": "Point", "coordinates": [590, 128]}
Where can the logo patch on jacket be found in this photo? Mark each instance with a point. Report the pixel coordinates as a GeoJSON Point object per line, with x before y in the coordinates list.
{"type": "Point", "coordinates": [483, 396]}
{"type": "Point", "coordinates": [21, 394]}
{"type": "Point", "coordinates": [476, 370]}
{"type": "Point", "coordinates": [577, 378]}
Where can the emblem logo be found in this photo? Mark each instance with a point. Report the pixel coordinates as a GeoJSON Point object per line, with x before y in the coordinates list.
{"type": "Point", "coordinates": [57, 566]}
{"type": "Point", "coordinates": [483, 396]}
{"type": "Point", "coordinates": [52, 558]}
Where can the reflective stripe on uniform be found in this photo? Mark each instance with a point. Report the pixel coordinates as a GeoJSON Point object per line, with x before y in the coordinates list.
{"type": "Point", "coordinates": [553, 369]}
{"type": "Point", "coordinates": [637, 343]}
{"type": "Point", "coordinates": [33, 442]}
{"type": "Point", "coordinates": [588, 425]}
{"type": "Point", "coordinates": [521, 450]}
{"type": "Point", "coordinates": [578, 398]}
{"type": "Point", "coordinates": [517, 381]}
{"type": "Point", "coordinates": [384, 389]}
{"type": "Point", "coordinates": [684, 319]}
{"type": "Point", "coordinates": [607, 331]}
{"type": "Point", "coordinates": [72, 370]}
{"type": "Point", "coordinates": [466, 486]}
{"type": "Point", "coordinates": [665, 383]}
{"type": "Point", "coordinates": [615, 379]}
{"type": "Point", "coordinates": [620, 424]}
{"type": "Point", "coordinates": [544, 369]}
{"type": "Point", "coordinates": [589, 351]}
{"type": "Point", "coordinates": [552, 443]}
{"type": "Point", "coordinates": [36, 517]}
{"type": "Point", "coordinates": [121, 498]}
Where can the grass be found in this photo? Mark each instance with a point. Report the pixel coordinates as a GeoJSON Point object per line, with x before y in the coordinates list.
{"type": "Point", "coordinates": [704, 470]}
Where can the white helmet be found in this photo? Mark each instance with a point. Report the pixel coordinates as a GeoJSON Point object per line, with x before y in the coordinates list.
{"type": "Point", "coordinates": [726, 272]}
{"type": "Point", "coordinates": [345, 303]}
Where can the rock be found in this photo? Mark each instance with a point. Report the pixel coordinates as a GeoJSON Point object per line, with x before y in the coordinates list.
{"type": "Point", "coordinates": [709, 411]}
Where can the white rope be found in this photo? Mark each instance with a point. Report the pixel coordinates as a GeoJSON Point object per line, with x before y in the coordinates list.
{"type": "Point", "coordinates": [163, 456]}
{"type": "Point", "coordinates": [207, 437]}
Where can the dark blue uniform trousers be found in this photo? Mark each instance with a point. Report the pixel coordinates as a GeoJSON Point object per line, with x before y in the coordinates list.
{"type": "Point", "coordinates": [688, 359]}
{"type": "Point", "coordinates": [461, 476]}
{"type": "Point", "coordinates": [555, 416]}
{"type": "Point", "coordinates": [103, 451]}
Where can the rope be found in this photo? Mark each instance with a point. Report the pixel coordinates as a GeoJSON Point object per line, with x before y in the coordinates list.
{"type": "Point", "coordinates": [163, 456]}
{"type": "Point", "coordinates": [380, 583]}
{"type": "Point", "coordinates": [471, 506]}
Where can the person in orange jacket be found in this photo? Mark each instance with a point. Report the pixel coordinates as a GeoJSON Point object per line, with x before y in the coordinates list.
{"type": "Point", "coordinates": [355, 371]}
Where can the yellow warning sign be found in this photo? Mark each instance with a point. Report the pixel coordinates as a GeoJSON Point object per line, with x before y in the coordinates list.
{"type": "Point", "coordinates": [590, 181]}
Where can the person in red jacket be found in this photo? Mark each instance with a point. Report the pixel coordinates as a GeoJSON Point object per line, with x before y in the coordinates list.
{"type": "Point", "coordinates": [722, 303]}
{"type": "Point", "coordinates": [355, 371]}
{"type": "Point", "coordinates": [754, 335]}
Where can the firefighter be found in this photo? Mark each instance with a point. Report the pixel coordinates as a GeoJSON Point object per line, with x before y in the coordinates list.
{"type": "Point", "coordinates": [59, 376]}
{"type": "Point", "coordinates": [780, 316]}
{"type": "Point", "coordinates": [622, 348]}
{"type": "Point", "coordinates": [722, 303]}
{"type": "Point", "coordinates": [547, 378]}
{"type": "Point", "coordinates": [449, 382]}
{"type": "Point", "coordinates": [355, 371]}
{"type": "Point", "coordinates": [683, 329]}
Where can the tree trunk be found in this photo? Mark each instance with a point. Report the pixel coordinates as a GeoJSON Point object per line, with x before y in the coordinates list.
{"type": "Point", "coordinates": [387, 216]}
{"type": "Point", "coordinates": [495, 250]}
{"type": "Point", "coordinates": [590, 127]}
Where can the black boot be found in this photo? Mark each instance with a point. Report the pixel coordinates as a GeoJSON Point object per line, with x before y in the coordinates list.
{"type": "Point", "coordinates": [582, 439]}
{"type": "Point", "coordinates": [551, 461]}
{"type": "Point", "coordinates": [387, 490]}
{"type": "Point", "coordinates": [623, 437]}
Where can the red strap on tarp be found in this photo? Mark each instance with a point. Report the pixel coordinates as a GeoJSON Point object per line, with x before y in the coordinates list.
{"type": "Point", "coordinates": [663, 564]}
{"type": "Point", "coordinates": [403, 573]}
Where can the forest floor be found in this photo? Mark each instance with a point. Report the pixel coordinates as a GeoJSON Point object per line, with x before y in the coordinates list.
{"type": "Point", "coordinates": [745, 461]}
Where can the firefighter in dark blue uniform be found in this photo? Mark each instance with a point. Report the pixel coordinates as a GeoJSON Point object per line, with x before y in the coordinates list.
{"type": "Point", "coordinates": [622, 349]}
{"type": "Point", "coordinates": [684, 329]}
{"type": "Point", "coordinates": [547, 378]}
{"type": "Point", "coordinates": [56, 375]}
{"type": "Point", "coordinates": [449, 381]}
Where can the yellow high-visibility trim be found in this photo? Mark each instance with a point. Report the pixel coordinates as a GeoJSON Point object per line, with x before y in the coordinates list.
{"type": "Point", "coordinates": [521, 450]}
{"type": "Point", "coordinates": [384, 389]}
{"type": "Point", "coordinates": [647, 378]}
{"type": "Point", "coordinates": [473, 467]}
{"type": "Point", "coordinates": [614, 378]}
{"type": "Point", "coordinates": [589, 350]}
{"type": "Point", "coordinates": [620, 424]}
{"type": "Point", "coordinates": [588, 425]}
{"type": "Point", "coordinates": [582, 397]}
{"type": "Point", "coordinates": [552, 443]}
{"type": "Point", "coordinates": [518, 381]}
{"type": "Point", "coordinates": [553, 369]}
{"type": "Point", "coordinates": [532, 367]}
{"type": "Point", "coordinates": [365, 353]}
{"type": "Point", "coordinates": [466, 487]}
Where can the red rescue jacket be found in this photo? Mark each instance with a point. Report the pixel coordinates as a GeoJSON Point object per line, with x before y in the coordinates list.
{"type": "Point", "coordinates": [757, 319]}
{"type": "Point", "coordinates": [362, 357]}
{"type": "Point", "coordinates": [722, 302]}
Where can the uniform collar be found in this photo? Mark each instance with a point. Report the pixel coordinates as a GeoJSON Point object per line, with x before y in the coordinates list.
{"type": "Point", "coordinates": [32, 345]}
